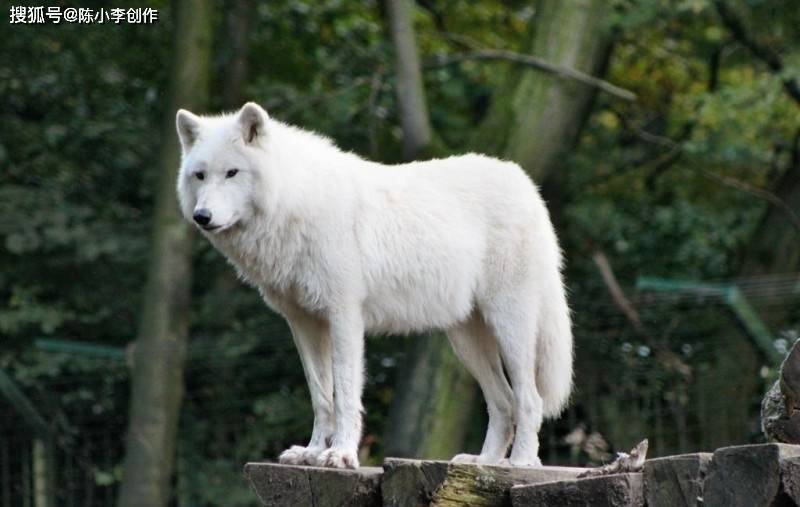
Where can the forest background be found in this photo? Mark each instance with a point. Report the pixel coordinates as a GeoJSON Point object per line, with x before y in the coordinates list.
{"type": "Point", "coordinates": [664, 134]}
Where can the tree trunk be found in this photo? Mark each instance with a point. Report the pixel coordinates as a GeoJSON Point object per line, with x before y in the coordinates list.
{"type": "Point", "coordinates": [157, 378]}
{"type": "Point", "coordinates": [535, 116]}
{"type": "Point", "coordinates": [434, 397]}
{"type": "Point", "coordinates": [239, 29]}
{"type": "Point", "coordinates": [417, 132]}
{"type": "Point", "coordinates": [775, 247]}
{"type": "Point", "coordinates": [432, 405]}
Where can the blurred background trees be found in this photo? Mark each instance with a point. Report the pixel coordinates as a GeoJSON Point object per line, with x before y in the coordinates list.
{"type": "Point", "coordinates": [159, 352]}
{"type": "Point", "coordinates": [664, 204]}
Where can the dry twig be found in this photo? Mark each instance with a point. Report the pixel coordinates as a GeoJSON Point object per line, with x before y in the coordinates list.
{"type": "Point", "coordinates": [625, 462]}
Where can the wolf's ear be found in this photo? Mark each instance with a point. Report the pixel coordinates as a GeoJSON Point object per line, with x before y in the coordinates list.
{"type": "Point", "coordinates": [253, 121]}
{"type": "Point", "coordinates": [188, 126]}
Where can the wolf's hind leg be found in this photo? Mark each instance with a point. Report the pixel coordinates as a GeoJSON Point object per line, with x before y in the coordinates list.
{"type": "Point", "coordinates": [513, 321]}
{"type": "Point", "coordinates": [477, 348]}
{"type": "Point", "coordinates": [314, 345]}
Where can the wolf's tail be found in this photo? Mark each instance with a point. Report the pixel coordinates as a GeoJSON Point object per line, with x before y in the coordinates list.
{"type": "Point", "coordinates": [554, 348]}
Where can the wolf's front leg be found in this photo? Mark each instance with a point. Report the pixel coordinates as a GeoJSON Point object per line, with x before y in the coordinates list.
{"type": "Point", "coordinates": [314, 345]}
{"type": "Point", "coordinates": [347, 335]}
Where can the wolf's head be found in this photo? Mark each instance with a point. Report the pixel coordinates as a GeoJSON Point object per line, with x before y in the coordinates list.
{"type": "Point", "coordinates": [222, 174]}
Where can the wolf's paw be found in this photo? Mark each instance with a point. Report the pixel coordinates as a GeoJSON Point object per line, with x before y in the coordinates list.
{"type": "Point", "coordinates": [299, 455]}
{"type": "Point", "coordinates": [465, 458]}
{"type": "Point", "coordinates": [531, 462]}
{"type": "Point", "coordinates": [337, 458]}
{"type": "Point", "coordinates": [474, 459]}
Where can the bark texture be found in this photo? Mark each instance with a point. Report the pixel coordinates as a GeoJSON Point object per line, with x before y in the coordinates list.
{"type": "Point", "coordinates": [434, 400]}
{"type": "Point", "coordinates": [537, 116]}
{"type": "Point", "coordinates": [318, 487]}
{"type": "Point", "coordinates": [417, 132]}
{"type": "Point", "coordinates": [619, 490]}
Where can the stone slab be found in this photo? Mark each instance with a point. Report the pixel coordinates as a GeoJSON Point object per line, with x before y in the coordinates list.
{"type": "Point", "coordinates": [617, 490]}
{"type": "Point", "coordinates": [747, 475]}
{"type": "Point", "coordinates": [296, 486]}
{"type": "Point", "coordinates": [439, 483]}
{"type": "Point", "coordinates": [411, 483]}
{"type": "Point", "coordinates": [676, 480]}
{"type": "Point", "coordinates": [790, 478]}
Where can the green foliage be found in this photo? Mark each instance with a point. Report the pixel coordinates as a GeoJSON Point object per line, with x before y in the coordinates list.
{"type": "Point", "coordinates": [643, 190]}
{"type": "Point", "coordinates": [82, 117]}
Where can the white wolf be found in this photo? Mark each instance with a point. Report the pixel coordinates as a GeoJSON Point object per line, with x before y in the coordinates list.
{"type": "Point", "coordinates": [341, 246]}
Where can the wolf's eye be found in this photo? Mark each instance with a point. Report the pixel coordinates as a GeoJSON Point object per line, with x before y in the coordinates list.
{"type": "Point", "coordinates": [200, 175]}
{"type": "Point", "coordinates": [231, 173]}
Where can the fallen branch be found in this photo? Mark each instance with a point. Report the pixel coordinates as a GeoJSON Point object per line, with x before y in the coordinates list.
{"type": "Point", "coordinates": [625, 462]}
{"type": "Point", "coordinates": [536, 63]}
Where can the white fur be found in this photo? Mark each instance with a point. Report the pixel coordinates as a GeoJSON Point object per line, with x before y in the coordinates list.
{"type": "Point", "coordinates": [341, 246]}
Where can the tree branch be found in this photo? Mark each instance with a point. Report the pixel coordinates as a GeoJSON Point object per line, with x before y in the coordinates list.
{"type": "Point", "coordinates": [622, 302]}
{"type": "Point", "coordinates": [536, 63]}
{"type": "Point", "coordinates": [764, 53]}
{"type": "Point", "coordinates": [675, 150]}
{"type": "Point", "coordinates": [757, 192]}
{"type": "Point", "coordinates": [668, 358]}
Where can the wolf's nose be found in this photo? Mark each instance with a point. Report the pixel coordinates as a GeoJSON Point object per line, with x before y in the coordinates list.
{"type": "Point", "coordinates": [202, 216]}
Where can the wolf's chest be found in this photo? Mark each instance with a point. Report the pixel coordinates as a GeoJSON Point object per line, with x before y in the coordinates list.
{"type": "Point", "coordinates": [285, 277]}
